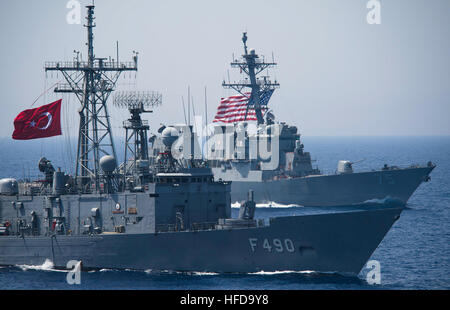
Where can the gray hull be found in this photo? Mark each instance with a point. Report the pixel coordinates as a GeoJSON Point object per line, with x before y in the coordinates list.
{"type": "Point", "coordinates": [335, 190]}
{"type": "Point", "coordinates": [340, 242]}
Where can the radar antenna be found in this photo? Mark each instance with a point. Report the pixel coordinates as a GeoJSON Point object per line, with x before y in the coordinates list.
{"type": "Point", "coordinates": [251, 65]}
{"type": "Point", "coordinates": [92, 81]}
{"type": "Point", "coordinates": [136, 142]}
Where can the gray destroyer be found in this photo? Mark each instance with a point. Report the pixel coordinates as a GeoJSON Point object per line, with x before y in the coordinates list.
{"type": "Point", "coordinates": [175, 216]}
{"type": "Point", "coordinates": [293, 180]}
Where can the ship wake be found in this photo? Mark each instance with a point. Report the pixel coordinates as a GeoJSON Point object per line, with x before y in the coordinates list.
{"type": "Point", "coordinates": [272, 204]}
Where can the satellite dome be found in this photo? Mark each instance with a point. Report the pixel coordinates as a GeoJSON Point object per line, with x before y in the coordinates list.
{"type": "Point", "coordinates": [169, 136]}
{"type": "Point", "coordinates": [9, 187]}
{"type": "Point", "coordinates": [108, 163]}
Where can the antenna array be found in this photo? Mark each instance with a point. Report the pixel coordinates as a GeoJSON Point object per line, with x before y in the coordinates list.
{"type": "Point", "coordinates": [137, 99]}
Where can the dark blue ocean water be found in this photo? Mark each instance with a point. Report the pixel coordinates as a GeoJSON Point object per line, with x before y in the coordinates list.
{"type": "Point", "coordinates": [414, 255]}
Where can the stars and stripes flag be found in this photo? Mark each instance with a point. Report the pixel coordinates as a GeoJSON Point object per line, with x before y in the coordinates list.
{"type": "Point", "coordinates": [234, 109]}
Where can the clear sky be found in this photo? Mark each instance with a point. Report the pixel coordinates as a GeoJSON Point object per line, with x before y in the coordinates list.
{"type": "Point", "coordinates": [338, 74]}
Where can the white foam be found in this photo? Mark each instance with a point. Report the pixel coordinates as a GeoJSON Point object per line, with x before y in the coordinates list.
{"type": "Point", "coordinates": [268, 205]}
{"type": "Point", "coordinates": [46, 266]}
{"type": "Point", "coordinates": [270, 273]}
{"type": "Point", "coordinates": [276, 205]}
{"type": "Point", "coordinates": [236, 205]}
{"type": "Point", "coordinates": [379, 201]}
{"type": "Point", "coordinates": [205, 273]}
{"type": "Point", "coordinates": [106, 270]}
{"type": "Point", "coordinates": [192, 273]}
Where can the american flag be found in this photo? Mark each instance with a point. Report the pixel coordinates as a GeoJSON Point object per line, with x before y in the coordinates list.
{"type": "Point", "coordinates": [234, 109]}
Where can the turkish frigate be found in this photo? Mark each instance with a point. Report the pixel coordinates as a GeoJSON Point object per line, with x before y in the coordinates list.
{"type": "Point", "coordinates": [175, 216]}
{"type": "Point", "coordinates": [290, 177]}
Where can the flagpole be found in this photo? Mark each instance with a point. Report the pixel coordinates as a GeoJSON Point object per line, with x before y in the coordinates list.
{"type": "Point", "coordinates": [189, 106]}
{"type": "Point", "coordinates": [206, 110]}
{"type": "Point", "coordinates": [184, 110]}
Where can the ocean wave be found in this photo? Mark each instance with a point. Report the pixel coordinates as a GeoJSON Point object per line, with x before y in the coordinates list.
{"type": "Point", "coordinates": [46, 266]}
{"type": "Point", "coordinates": [271, 273]}
{"type": "Point", "coordinates": [204, 273]}
{"type": "Point", "coordinates": [107, 270]}
{"type": "Point", "coordinates": [188, 273]}
{"type": "Point", "coordinates": [210, 273]}
{"type": "Point", "coordinates": [305, 273]}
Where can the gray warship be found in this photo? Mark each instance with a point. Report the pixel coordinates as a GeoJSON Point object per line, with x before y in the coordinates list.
{"type": "Point", "coordinates": [172, 215]}
{"type": "Point", "coordinates": [293, 180]}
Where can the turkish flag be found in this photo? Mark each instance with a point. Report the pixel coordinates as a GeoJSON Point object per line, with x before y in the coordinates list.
{"type": "Point", "coordinates": [42, 122]}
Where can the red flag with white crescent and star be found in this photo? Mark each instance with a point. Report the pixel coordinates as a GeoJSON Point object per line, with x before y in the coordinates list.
{"type": "Point", "coordinates": [42, 122]}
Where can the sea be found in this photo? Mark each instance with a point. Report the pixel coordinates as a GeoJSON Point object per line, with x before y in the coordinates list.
{"type": "Point", "coordinates": [415, 254]}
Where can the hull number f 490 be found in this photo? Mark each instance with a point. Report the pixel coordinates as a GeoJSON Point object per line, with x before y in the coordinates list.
{"type": "Point", "coordinates": [272, 245]}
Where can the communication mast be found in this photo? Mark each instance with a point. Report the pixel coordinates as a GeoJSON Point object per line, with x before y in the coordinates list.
{"type": "Point", "coordinates": [251, 65]}
{"type": "Point", "coordinates": [136, 142]}
{"type": "Point", "coordinates": [92, 82]}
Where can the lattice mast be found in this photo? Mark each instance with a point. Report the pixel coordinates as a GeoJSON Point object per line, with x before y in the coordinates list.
{"type": "Point", "coordinates": [136, 142]}
{"type": "Point", "coordinates": [92, 81]}
{"type": "Point", "coordinates": [252, 66]}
